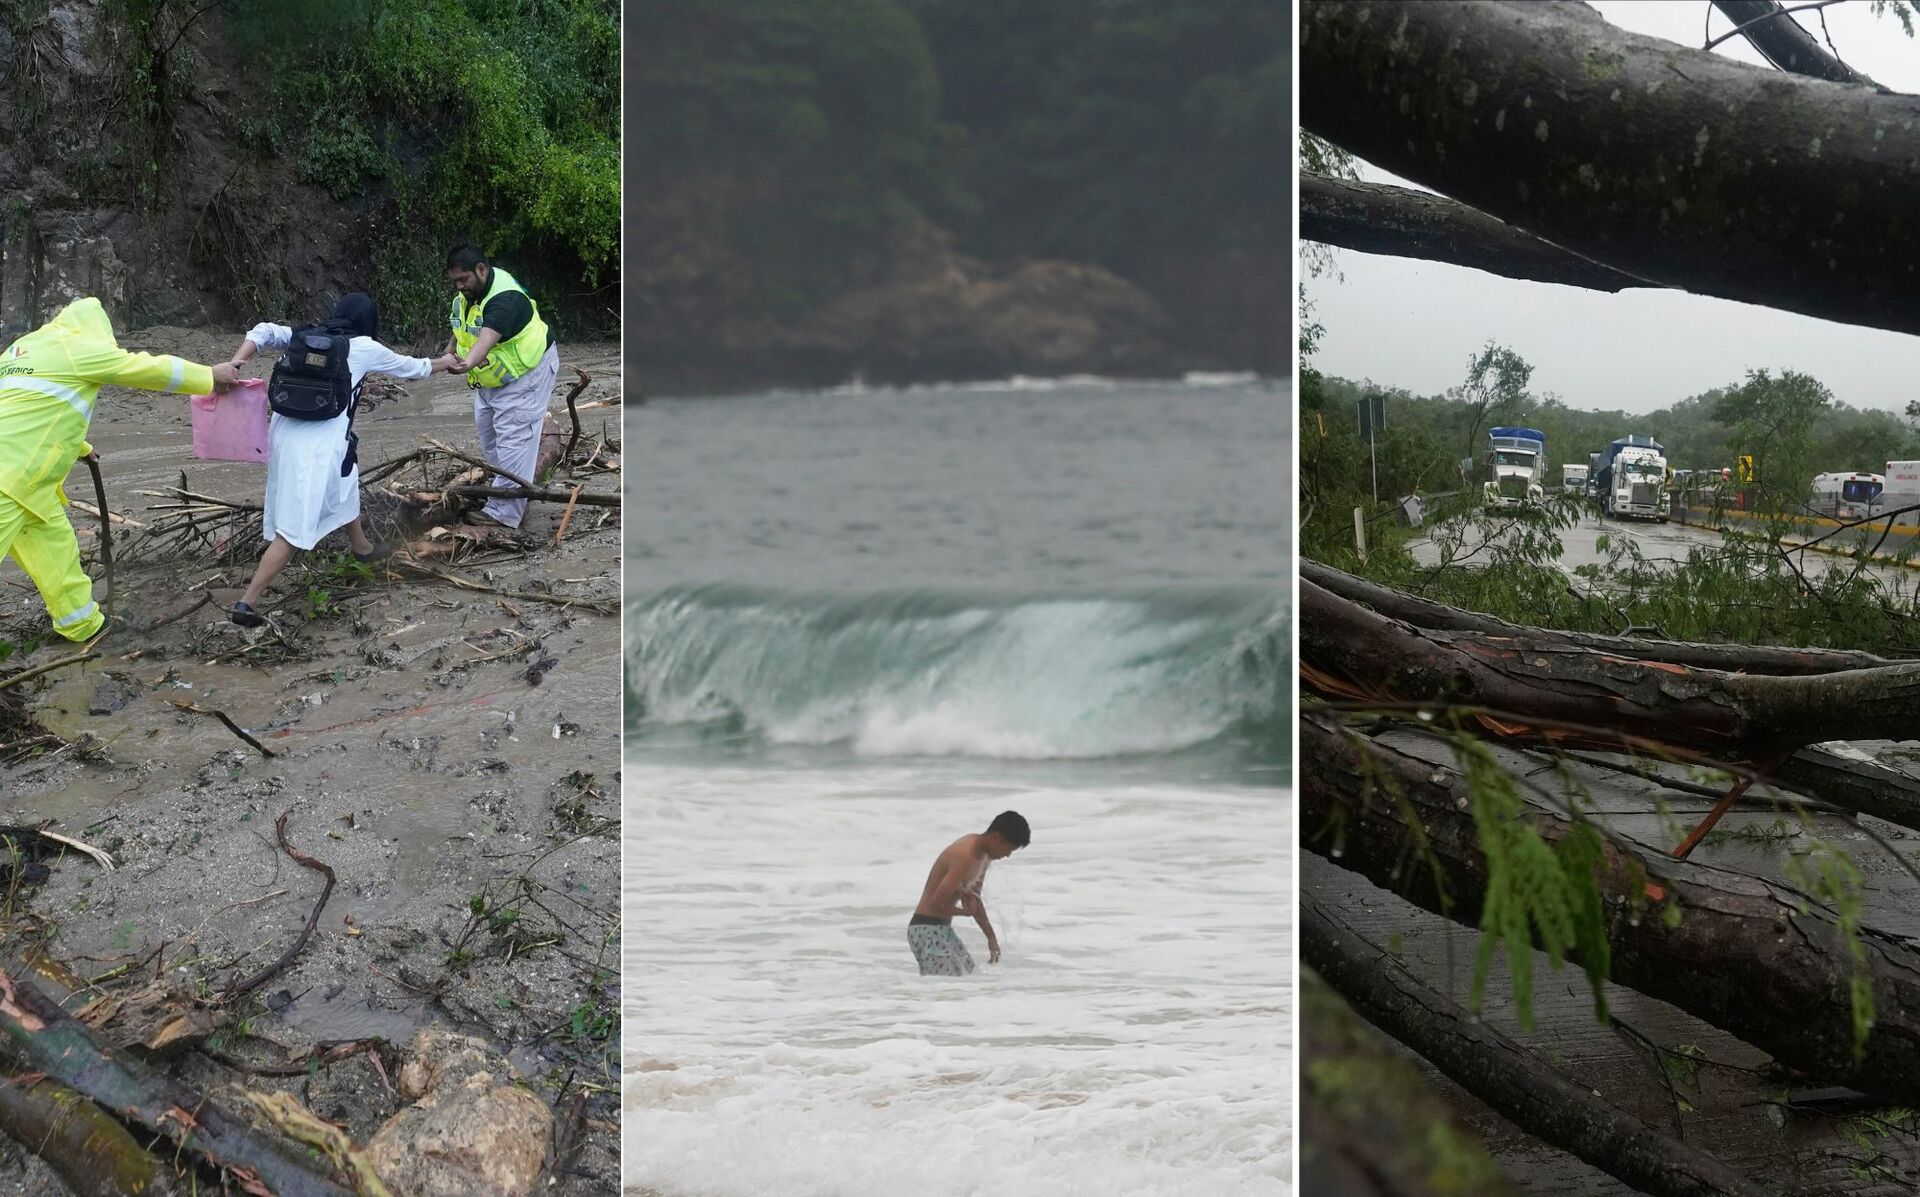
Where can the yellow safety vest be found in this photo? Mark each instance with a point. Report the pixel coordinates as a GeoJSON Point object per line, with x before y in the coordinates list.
{"type": "Point", "coordinates": [510, 358]}
{"type": "Point", "coordinates": [49, 382]}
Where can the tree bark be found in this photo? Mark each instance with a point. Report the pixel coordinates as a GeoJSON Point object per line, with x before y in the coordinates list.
{"type": "Point", "coordinates": [1508, 1077]}
{"type": "Point", "coordinates": [1378, 218]}
{"type": "Point", "coordinates": [50, 1040]}
{"type": "Point", "coordinates": [1782, 42]}
{"type": "Point", "coordinates": [93, 1155]}
{"type": "Point", "coordinates": [1731, 715]}
{"type": "Point", "coordinates": [1370, 1124]}
{"type": "Point", "coordinates": [1669, 164]}
{"type": "Point", "coordinates": [1732, 658]}
{"type": "Point", "coordinates": [1743, 956]}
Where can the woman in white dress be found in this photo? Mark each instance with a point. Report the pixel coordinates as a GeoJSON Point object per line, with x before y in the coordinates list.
{"type": "Point", "coordinates": [313, 481]}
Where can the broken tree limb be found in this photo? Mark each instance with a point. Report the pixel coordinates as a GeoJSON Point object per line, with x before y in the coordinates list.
{"type": "Point", "coordinates": [1514, 1081]}
{"type": "Point", "coordinates": [53, 1042]}
{"type": "Point", "coordinates": [481, 462]}
{"type": "Point", "coordinates": [302, 1125]}
{"type": "Point", "coordinates": [573, 413]}
{"type": "Point", "coordinates": [566, 517]}
{"type": "Point", "coordinates": [161, 621]}
{"type": "Point", "coordinates": [542, 493]}
{"type": "Point", "coordinates": [1370, 1124]}
{"type": "Point", "coordinates": [313, 920]}
{"type": "Point", "coordinates": [227, 721]}
{"type": "Point", "coordinates": [106, 527]}
{"type": "Point", "coordinates": [91, 1153]}
{"type": "Point", "coordinates": [1666, 163]}
{"type": "Point", "coordinates": [1742, 951]}
{"type": "Point", "coordinates": [14, 679]}
{"type": "Point", "coordinates": [1733, 658]}
{"type": "Point", "coordinates": [601, 606]}
{"type": "Point", "coordinates": [1379, 218]}
{"type": "Point", "coordinates": [1782, 42]}
{"type": "Point", "coordinates": [1739, 715]}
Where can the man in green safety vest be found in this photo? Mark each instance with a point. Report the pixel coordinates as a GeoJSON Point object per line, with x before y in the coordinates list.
{"type": "Point", "coordinates": [507, 353]}
{"type": "Point", "coordinates": [50, 380]}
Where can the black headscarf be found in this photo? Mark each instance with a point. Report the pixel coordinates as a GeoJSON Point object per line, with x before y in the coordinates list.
{"type": "Point", "coordinates": [356, 314]}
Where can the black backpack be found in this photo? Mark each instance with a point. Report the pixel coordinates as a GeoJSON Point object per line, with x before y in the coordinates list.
{"type": "Point", "coordinates": [311, 380]}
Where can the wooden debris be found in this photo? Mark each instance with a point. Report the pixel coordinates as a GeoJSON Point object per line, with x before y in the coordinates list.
{"type": "Point", "coordinates": [224, 718]}
{"type": "Point", "coordinates": [272, 970]}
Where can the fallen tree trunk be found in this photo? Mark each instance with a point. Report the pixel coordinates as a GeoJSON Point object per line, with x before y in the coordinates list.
{"type": "Point", "coordinates": [1859, 786]}
{"type": "Point", "coordinates": [1370, 1124]}
{"type": "Point", "coordinates": [1514, 1081]}
{"type": "Point", "coordinates": [50, 1040]}
{"type": "Point", "coordinates": [93, 1155]}
{"type": "Point", "coordinates": [1731, 658]}
{"type": "Point", "coordinates": [1379, 218]}
{"type": "Point", "coordinates": [1743, 955]}
{"type": "Point", "coordinates": [1666, 163]}
{"type": "Point", "coordinates": [1732, 715]}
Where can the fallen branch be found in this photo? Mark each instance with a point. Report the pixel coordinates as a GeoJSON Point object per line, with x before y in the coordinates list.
{"type": "Point", "coordinates": [300, 1124]}
{"type": "Point", "coordinates": [481, 462]}
{"type": "Point", "coordinates": [235, 728]}
{"type": "Point", "coordinates": [1736, 714]}
{"type": "Point", "coordinates": [535, 492]}
{"type": "Point", "coordinates": [1371, 1124]}
{"type": "Point", "coordinates": [93, 1155]}
{"type": "Point", "coordinates": [106, 528]}
{"type": "Point", "coordinates": [1733, 658]}
{"type": "Point", "coordinates": [1743, 948]}
{"type": "Point", "coordinates": [1514, 1081]}
{"type": "Point", "coordinates": [566, 517]}
{"type": "Point", "coordinates": [14, 679]}
{"type": "Point", "coordinates": [573, 413]}
{"type": "Point", "coordinates": [603, 607]}
{"type": "Point", "coordinates": [1500, 107]}
{"type": "Point", "coordinates": [55, 1043]}
{"type": "Point", "coordinates": [313, 920]}
{"type": "Point", "coordinates": [156, 624]}
{"type": "Point", "coordinates": [125, 521]}
{"type": "Point", "coordinates": [1379, 218]}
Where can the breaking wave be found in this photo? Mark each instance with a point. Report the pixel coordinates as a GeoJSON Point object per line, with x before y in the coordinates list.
{"type": "Point", "coordinates": [930, 673]}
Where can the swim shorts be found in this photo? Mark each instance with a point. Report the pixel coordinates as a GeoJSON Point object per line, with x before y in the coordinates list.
{"type": "Point", "coordinates": [938, 948]}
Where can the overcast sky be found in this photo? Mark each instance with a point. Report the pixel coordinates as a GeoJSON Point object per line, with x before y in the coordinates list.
{"type": "Point", "coordinates": [1401, 322]}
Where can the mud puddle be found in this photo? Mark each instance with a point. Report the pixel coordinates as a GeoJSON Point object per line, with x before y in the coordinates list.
{"type": "Point", "coordinates": [452, 754]}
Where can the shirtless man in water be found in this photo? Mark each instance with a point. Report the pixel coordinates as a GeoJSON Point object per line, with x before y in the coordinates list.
{"type": "Point", "coordinates": [953, 887]}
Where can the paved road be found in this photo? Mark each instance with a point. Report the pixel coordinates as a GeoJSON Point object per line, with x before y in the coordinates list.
{"type": "Point", "coordinates": [1658, 542]}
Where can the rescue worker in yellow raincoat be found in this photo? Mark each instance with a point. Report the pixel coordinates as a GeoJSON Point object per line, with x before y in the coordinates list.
{"type": "Point", "coordinates": [50, 380]}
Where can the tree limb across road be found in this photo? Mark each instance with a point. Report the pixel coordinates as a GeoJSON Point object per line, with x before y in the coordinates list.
{"type": "Point", "coordinates": [1669, 164]}
{"type": "Point", "coordinates": [1379, 218]}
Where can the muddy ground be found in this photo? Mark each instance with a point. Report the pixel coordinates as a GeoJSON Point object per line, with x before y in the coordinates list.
{"type": "Point", "coordinates": [452, 754]}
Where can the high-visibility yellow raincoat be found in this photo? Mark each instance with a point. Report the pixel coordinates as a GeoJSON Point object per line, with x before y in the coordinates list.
{"type": "Point", "coordinates": [49, 382]}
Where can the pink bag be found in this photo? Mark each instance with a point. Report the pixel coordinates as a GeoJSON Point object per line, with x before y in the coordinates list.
{"type": "Point", "coordinates": [233, 426]}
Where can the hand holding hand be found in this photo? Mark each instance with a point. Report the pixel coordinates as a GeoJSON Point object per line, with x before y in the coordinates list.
{"type": "Point", "coordinates": [457, 365]}
{"type": "Point", "coordinates": [226, 376]}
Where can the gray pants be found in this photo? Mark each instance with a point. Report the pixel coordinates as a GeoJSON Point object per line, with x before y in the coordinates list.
{"type": "Point", "coordinates": [938, 950]}
{"type": "Point", "coordinates": [508, 419]}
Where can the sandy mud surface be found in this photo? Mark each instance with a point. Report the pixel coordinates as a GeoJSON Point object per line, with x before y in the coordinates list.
{"type": "Point", "coordinates": [451, 753]}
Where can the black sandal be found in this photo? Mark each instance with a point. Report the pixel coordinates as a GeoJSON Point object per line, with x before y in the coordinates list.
{"type": "Point", "coordinates": [246, 616]}
{"type": "Point", "coordinates": [379, 552]}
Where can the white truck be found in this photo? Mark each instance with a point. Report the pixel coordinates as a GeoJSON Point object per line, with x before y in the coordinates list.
{"type": "Point", "coordinates": [1516, 471]}
{"type": "Point", "coordinates": [1573, 478]}
{"type": "Point", "coordinates": [1637, 488]}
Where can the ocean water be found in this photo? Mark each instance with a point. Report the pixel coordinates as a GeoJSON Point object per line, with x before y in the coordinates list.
{"type": "Point", "coordinates": [861, 623]}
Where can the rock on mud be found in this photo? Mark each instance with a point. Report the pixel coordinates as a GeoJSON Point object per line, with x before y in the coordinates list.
{"type": "Point", "coordinates": [470, 1132]}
